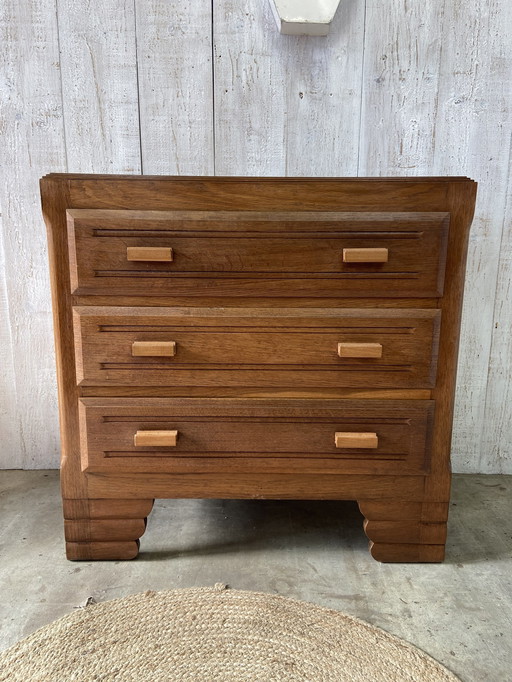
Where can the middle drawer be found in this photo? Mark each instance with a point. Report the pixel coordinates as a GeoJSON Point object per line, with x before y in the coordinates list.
{"type": "Point", "coordinates": [256, 347]}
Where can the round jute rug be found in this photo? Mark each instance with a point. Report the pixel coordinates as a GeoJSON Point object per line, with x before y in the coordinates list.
{"type": "Point", "coordinates": [210, 634]}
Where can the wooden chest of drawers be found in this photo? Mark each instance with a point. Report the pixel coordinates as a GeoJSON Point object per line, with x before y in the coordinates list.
{"type": "Point", "coordinates": [256, 338]}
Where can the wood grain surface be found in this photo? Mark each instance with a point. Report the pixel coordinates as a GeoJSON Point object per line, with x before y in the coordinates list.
{"type": "Point", "coordinates": [254, 436]}
{"type": "Point", "coordinates": [258, 347]}
{"type": "Point", "coordinates": [477, 103]}
{"type": "Point", "coordinates": [250, 439]}
{"type": "Point", "coordinates": [32, 143]}
{"type": "Point", "coordinates": [99, 76]}
{"type": "Point", "coordinates": [175, 86]}
{"type": "Point", "coordinates": [296, 101]}
{"type": "Point", "coordinates": [261, 445]}
{"type": "Point", "coordinates": [216, 254]}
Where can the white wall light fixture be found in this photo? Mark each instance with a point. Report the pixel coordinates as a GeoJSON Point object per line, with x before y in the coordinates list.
{"type": "Point", "coordinates": [304, 17]}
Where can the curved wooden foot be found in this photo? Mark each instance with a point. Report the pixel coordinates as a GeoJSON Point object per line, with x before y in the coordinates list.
{"type": "Point", "coordinates": [405, 531]}
{"type": "Point", "coordinates": [104, 530]}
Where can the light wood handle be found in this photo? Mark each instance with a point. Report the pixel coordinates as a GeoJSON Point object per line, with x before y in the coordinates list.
{"type": "Point", "coordinates": [359, 350]}
{"type": "Point", "coordinates": [149, 253]}
{"type": "Point", "coordinates": [356, 440]}
{"type": "Point", "coordinates": [154, 348]}
{"type": "Point", "coordinates": [159, 438]}
{"type": "Point", "coordinates": [365, 255]}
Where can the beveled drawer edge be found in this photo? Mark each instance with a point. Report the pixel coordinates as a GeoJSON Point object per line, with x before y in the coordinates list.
{"type": "Point", "coordinates": [252, 404]}
{"type": "Point", "coordinates": [251, 393]}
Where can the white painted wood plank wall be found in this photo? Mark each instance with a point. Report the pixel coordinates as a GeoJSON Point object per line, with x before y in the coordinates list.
{"type": "Point", "coordinates": [286, 105]}
{"type": "Point", "coordinates": [99, 86]}
{"type": "Point", "coordinates": [174, 49]}
{"type": "Point", "coordinates": [10, 434]}
{"type": "Point", "coordinates": [473, 133]}
{"type": "Point", "coordinates": [210, 87]}
{"type": "Point", "coordinates": [32, 138]}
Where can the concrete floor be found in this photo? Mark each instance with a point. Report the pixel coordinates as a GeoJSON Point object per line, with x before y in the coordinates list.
{"type": "Point", "coordinates": [459, 612]}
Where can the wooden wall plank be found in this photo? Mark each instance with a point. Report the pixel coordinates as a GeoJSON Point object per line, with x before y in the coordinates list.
{"type": "Point", "coordinates": [496, 446]}
{"type": "Point", "coordinates": [174, 54]}
{"type": "Point", "coordinates": [31, 144]}
{"type": "Point", "coordinates": [472, 137]}
{"type": "Point", "coordinates": [436, 100]}
{"type": "Point", "coordinates": [11, 452]}
{"type": "Point", "coordinates": [285, 105]}
{"type": "Point", "coordinates": [399, 88]}
{"type": "Point", "coordinates": [99, 81]}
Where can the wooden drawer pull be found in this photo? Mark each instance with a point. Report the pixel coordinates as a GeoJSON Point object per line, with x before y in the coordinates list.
{"type": "Point", "coordinates": [356, 440]}
{"type": "Point", "coordinates": [154, 348]}
{"type": "Point", "coordinates": [149, 253]}
{"type": "Point", "coordinates": [359, 350]}
{"type": "Point", "coordinates": [365, 255]}
{"type": "Point", "coordinates": [155, 438]}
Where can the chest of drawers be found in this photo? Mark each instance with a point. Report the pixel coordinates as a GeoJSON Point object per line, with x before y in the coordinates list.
{"type": "Point", "coordinates": [256, 338]}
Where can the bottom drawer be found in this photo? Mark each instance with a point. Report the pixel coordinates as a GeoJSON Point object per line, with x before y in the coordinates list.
{"type": "Point", "coordinates": [214, 435]}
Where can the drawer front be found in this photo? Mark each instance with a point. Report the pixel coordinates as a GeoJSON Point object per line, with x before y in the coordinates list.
{"type": "Point", "coordinates": [255, 436]}
{"type": "Point", "coordinates": [246, 253]}
{"type": "Point", "coordinates": [256, 347]}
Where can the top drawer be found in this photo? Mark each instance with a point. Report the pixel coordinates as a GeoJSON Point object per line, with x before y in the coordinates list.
{"type": "Point", "coordinates": [248, 253]}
